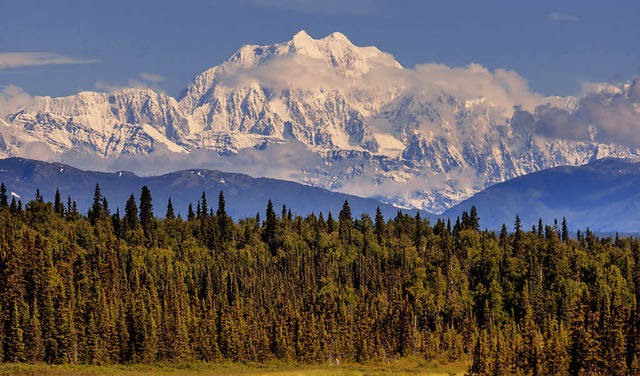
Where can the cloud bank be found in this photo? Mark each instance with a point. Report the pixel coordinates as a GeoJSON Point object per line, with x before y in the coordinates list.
{"type": "Point", "coordinates": [26, 59]}
{"type": "Point", "coordinates": [605, 116]}
{"type": "Point", "coordinates": [12, 99]}
{"type": "Point", "coordinates": [145, 81]}
{"type": "Point", "coordinates": [501, 88]}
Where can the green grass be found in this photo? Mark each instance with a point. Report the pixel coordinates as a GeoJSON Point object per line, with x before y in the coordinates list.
{"type": "Point", "coordinates": [396, 368]}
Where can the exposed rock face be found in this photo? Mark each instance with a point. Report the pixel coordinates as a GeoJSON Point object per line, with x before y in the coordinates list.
{"type": "Point", "coordinates": [355, 107]}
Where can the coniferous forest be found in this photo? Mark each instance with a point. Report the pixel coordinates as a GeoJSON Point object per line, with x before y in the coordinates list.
{"type": "Point", "coordinates": [111, 287]}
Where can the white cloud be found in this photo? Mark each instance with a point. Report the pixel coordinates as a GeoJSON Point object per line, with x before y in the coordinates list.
{"type": "Point", "coordinates": [106, 87]}
{"type": "Point", "coordinates": [152, 77]}
{"type": "Point", "coordinates": [295, 71]}
{"type": "Point", "coordinates": [559, 17]}
{"type": "Point", "coordinates": [12, 98]}
{"type": "Point", "coordinates": [37, 150]}
{"type": "Point", "coordinates": [292, 158]}
{"type": "Point", "coordinates": [608, 115]}
{"type": "Point", "coordinates": [24, 59]}
{"type": "Point", "coordinates": [502, 88]}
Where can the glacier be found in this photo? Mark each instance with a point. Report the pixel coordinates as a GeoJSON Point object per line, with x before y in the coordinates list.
{"type": "Point", "coordinates": [426, 137]}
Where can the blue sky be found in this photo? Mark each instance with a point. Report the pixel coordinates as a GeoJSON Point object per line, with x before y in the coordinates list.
{"type": "Point", "coordinates": [65, 46]}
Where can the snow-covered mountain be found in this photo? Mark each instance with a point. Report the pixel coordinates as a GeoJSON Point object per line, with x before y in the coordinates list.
{"type": "Point", "coordinates": [426, 137]}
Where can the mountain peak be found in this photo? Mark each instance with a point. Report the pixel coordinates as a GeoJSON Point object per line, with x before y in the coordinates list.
{"type": "Point", "coordinates": [302, 43]}
{"type": "Point", "coordinates": [338, 36]}
{"type": "Point", "coordinates": [300, 35]}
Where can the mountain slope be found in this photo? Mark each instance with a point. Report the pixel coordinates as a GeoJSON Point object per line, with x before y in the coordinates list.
{"type": "Point", "coordinates": [244, 195]}
{"type": "Point", "coordinates": [426, 137]}
{"type": "Point", "coordinates": [603, 195]}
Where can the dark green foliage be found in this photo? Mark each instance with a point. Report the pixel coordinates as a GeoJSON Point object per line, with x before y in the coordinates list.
{"type": "Point", "coordinates": [96, 208]}
{"type": "Point", "coordinates": [380, 226]}
{"type": "Point", "coordinates": [14, 337]}
{"type": "Point", "coordinates": [190, 213]}
{"type": "Point", "coordinates": [225, 223]}
{"type": "Point", "coordinates": [4, 199]}
{"type": "Point", "coordinates": [331, 224]}
{"type": "Point", "coordinates": [309, 290]}
{"type": "Point", "coordinates": [345, 222]}
{"type": "Point", "coordinates": [58, 206]}
{"type": "Point", "coordinates": [203, 209]}
{"type": "Point", "coordinates": [170, 213]}
{"type": "Point", "coordinates": [146, 213]}
{"type": "Point", "coordinates": [270, 228]}
{"type": "Point", "coordinates": [131, 214]}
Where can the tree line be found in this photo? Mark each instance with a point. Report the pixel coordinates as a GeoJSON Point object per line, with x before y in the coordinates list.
{"type": "Point", "coordinates": [105, 287]}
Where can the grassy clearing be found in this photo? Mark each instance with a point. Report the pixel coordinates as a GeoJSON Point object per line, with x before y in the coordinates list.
{"type": "Point", "coordinates": [398, 368]}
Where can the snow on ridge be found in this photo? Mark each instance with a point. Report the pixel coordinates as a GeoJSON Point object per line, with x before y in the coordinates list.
{"type": "Point", "coordinates": [416, 146]}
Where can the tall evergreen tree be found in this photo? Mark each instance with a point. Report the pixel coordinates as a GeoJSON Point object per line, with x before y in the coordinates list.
{"type": "Point", "coordinates": [345, 222]}
{"type": "Point", "coordinates": [270, 231]}
{"type": "Point", "coordinates": [58, 206]}
{"type": "Point", "coordinates": [131, 214]}
{"type": "Point", "coordinates": [13, 208]}
{"type": "Point", "coordinates": [96, 208]}
{"type": "Point", "coordinates": [116, 222]}
{"type": "Point", "coordinates": [4, 199]}
{"type": "Point", "coordinates": [331, 223]}
{"type": "Point", "coordinates": [224, 222]}
{"type": "Point", "coordinates": [204, 208]}
{"type": "Point", "coordinates": [474, 219]}
{"type": "Point", "coordinates": [379, 225]}
{"type": "Point", "coordinates": [565, 230]}
{"type": "Point", "coordinates": [146, 213]}
{"type": "Point", "coordinates": [105, 208]}
{"type": "Point", "coordinates": [170, 214]}
{"type": "Point", "coordinates": [191, 215]}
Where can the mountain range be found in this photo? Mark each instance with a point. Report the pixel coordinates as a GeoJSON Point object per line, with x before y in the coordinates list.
{"type": "Point", "coordinates": [244, 196]}
{"type": "Point", "coordinates": [603, 196]}
{"type": "Point", "coordinates": [325, 113]}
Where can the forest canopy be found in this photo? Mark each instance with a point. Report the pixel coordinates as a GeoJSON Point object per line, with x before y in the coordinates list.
{"type": "Point", "coordinates": [110, 287]}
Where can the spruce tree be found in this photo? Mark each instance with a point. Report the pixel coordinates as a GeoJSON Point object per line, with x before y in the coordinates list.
{"type": "Point", "coordinates": [96, 208]}
{"type": "Point", "coordinates": [204, 208]}
{"type": "Point", "coordinates": [331, 223]}
{"type": "Point", "coordinates": [146, 213]}
{"type": "Point", "coordinates": [345, 222]}
{"type": "Point", "coordinates": [131, 214]}
{"type": "Point", "coordinates": [224, 222]}
{"type": "Point", "coordinates": [270, 231]}
{"type": "Point", "coordinates": [190, 214]}
{"type": "Point", "coordinates": [58, 206]}
{"type": "Point", "coordinates": [379, 225]}
{"type": "Point", "coordinates": [170, 214]}
{"type": "Point", "coordinates": [116, 222]}
{"type": "Point", "coordinates": [565, 230]}
{"type": "Point", "coordinates": [105, 208]}
{"type": "Point", "coordinates": [68, 205]}
{"type": "Point", "coordinates": [474, 220]}
{"type": "Point", "coordinates": [4, 199]}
